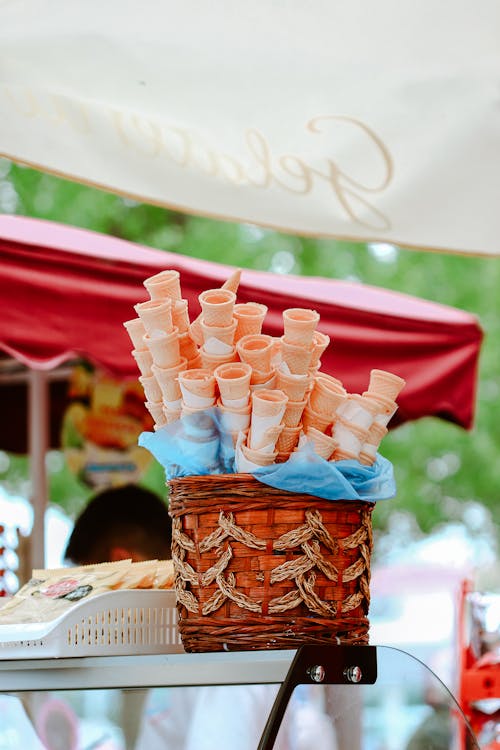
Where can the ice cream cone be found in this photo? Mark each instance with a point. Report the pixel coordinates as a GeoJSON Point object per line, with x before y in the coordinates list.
{"type": "Point", "coordinates": [295, 386]}
{"type": "Point", "coordinates": [164, 285]}
{"type": "Point", "coordinates": [256, 350]}
{"type": "Point", "coordinates": [211, 361]}
{"type": "Point", "coordinates": [195, 363]}
{"type": "Point", "coordinates": [296, 356]}
{"type": "Point", "coordinates": [233, 282]}
{"type": "Point", "coordinates": [151, 388]}
{"type": "Point", "coordinates": [299, 325]}
{"type": "Point", "coordinates": [234, 419]}
{"type": "Point", "coordinates": [386, 407]}
{"type": "Point", "coordinates": [135, 329]}
{"type": "Point", "coordinates": [288, 439]}
{"type": "Point", "coordinates": [320, 342]}
{"type": "Point", "coordinates": [144, 360]}
{"type": "Point", "coordinates": [221, 333]}
{"type": "Point", "coordinates": [249, 317]}
{"type": "Point", "coordinates": [172, 416]}
{"type": "Point", "coordinates": [281, 458]}
{"type": "Point", "coordinates": [335, 381]}
{"type": "Point", "coordinates": [342, 455]}
{"type": "Point", "coordinates": [323, 444]}
{"type": "Point", "coordinates": [156, 315]}
{"type": "Point", "coordinates": [217, 307]}
{"type": "Point", "coordinates": [350, 437]}
{"type": "Point", "coordinates": [293, 413]}
{"type": "Point", "coordinates": [386, 384]}
{"type": "Point", "coordinates": [164, 347]}
{"type": "Point", "coordinates": [173, 405]}
{"type": "Point", "coordinates": [233, 381]}
{"type": "Point", "coordinates": [258, 457]}
{"type": "Point", "coordinates": [262, 380]}
{"type": "Point", "coordinates": [180, 315]}
{"type": "Point", "coordinates": [197, 388]}
{"type": "Point", "coordinates": [187, 347]}
{"type": "Point", "coordinates": [269, 403]}
{"type": "Point", "coordinates": [167, 380]}
{"type": "Point", "coordinates": [195, 331]}
{"type": "Point", "coordinates": [376, 434]}
{"type": "Point", "coordinates": [311, 418]}
{"type": "Point", "coordinates": [156, 411]}
{"type": "Point", "coordinates": [266, 440]}
{"type": "Point", "coordinates": [326, 397]}
{"type": "Point", "coordinates": [356, 410]}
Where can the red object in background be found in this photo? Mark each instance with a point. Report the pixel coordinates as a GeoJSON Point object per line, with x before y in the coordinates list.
{"type": "Point", "coordinates": [66, 292]}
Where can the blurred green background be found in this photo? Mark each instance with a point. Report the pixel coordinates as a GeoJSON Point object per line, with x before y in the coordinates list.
{"type": "Point", "coordinates": [444, 474]}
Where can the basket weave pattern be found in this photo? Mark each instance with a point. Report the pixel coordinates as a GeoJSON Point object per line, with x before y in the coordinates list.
{"type": "Point", "coordinates": [257, 567]}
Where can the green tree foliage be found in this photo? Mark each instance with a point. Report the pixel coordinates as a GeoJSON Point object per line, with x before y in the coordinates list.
{"type": "Point", "coordinates": [443, 472]}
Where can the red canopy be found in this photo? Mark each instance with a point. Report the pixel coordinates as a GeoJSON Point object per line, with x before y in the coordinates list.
{"type": "Point", "coordinates": [67, 291]}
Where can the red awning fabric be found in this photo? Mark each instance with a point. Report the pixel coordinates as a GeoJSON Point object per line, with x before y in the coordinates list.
{"type": "Point", "coordinates": [66, 292]}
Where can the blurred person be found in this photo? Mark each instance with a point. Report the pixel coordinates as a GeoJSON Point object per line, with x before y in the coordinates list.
{"type": "Point", "coordinates": [121, 523]}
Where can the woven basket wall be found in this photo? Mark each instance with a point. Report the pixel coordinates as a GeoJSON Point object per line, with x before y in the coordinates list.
{"type": "Point", "coordinates": [260, 568]}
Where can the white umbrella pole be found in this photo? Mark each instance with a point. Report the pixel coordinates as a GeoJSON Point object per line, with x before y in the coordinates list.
{"type": "Point", "coordinates": [38, 432]}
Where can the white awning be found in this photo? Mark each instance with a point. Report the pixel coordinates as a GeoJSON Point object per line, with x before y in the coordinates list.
{"type": "Point", "coordinates": [377, 121]}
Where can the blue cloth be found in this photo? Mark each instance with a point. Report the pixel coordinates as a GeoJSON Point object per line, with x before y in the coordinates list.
{"type": "Point", "coordinates": [196, 445]}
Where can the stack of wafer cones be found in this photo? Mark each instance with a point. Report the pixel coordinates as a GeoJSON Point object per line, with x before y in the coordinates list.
{"type": "Point", "coordinates": [269, 391]}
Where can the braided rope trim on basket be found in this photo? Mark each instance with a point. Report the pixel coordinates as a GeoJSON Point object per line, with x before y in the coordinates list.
{"type": "Point", "coordinates": [293, 570]}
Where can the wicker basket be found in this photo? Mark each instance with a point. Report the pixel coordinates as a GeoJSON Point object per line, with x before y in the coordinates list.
{"type": "Point", "coordinates": [261, 568]}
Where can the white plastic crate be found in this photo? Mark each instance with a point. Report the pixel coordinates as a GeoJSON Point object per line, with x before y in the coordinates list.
{"type": "Point", "coordinates": [123, 622]}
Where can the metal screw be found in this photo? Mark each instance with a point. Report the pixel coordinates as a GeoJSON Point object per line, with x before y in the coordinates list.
{"type": "Point", "coordinates": [316, 673]}
{"type": "Point", "coordinates": [353, 674]}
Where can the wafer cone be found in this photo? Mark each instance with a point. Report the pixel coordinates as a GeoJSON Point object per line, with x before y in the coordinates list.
{"type": "Point", "coordinates": [249, 317]}
{"type": "Point", "coordinates": [288, 439]}
{"type": "Point", "coordinates": [386, 407]}
{"type": "Point", "coordinates": [180, 315]}
{"type": "Point", "coordinates": [320, 342]}
{"type": "Point", "coordinates": [281, 458]}
{"type": "Point", "coordinates": [151, 388]}
{"type": "Point", "coordinates": [164, 285]}
{"type": "Point", "coordinates": [266, 440]}
{"type": "Point", "coordinates": [299, 325]}
{"type": "Point", "coordinates": [234, 419]}
{"type": "Point", "coordinates": [342, 455]}
{"type": "Point", "coordinates": [349, 437]}
{"type": "Point", "coordinates": [221, 333]}
{"type": "Point", "coordinates": [195, 363]}
{"type": "Point", "coordinates": [333, 380]}
{"type": "Point", "coordinates": [187, 347]}
{"type": "Point", "coordinates": [311, 418]}
{"type": "Point", "coordinates": [323, 444]}
{"type": "Point", "coordinates": [195, 331]}
{"type": "Point", "coordinates": [233, 380]}
{"type": "Point", "coordinates": [172, 416]}
{"type": "Point", "coordinates": [293, 413]}
{"type": "Point", "coordinates": [164, 347]}
{"type": "Point", "coordinates": [269, 403]}
{"type": "Point", "coordinates": [217, 306]}
{"type": "Point", "coordinates": [295, 386]}
{"type": "Point", "coordinates": [258, 457]}
{"type": "Point", "coordinates": [135, 329]}
{"type": "Point", "coordinates": [211, 361]}
{"type": "Point", "coordinates": [262, 380]}
{"type": "Point", "coordinates": [233, 282]}
{"type": "Point", "coordinates": [172, 405]}
{"type": "Point", "coordinates": [376, 434]}
{"type": "Point", "coordinates": [356, 410]}
{"type": "Point", "coordinates": [156, 411]}
{"type": "Point", "coordinates": [156, 315]}
{"type": "Point", "coordinates": [197, 388]}
{"type": "Point", "coordinates": [325, 397]}
{"type": "Point", "coordinates": [144, 360]}
{"type": "Point", "coordinates": [256, 350]}
{"type": "Point", "coordinates": [167, 380]}
{"type": "Point", "coordinates": [386, 384]}
{"type": "Point", "coordinates": [297, 357]}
